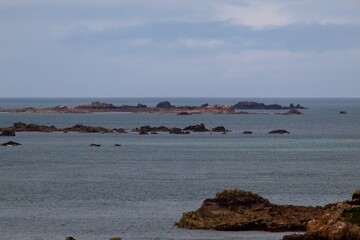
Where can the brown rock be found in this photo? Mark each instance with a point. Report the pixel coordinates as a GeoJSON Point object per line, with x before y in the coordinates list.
{"type": "Point", "coordinates": [237, 210]}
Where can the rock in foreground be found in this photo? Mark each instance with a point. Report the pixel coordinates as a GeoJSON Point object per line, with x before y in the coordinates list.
{"type": "Point", "coordinates": [238, 210]}
{"type": "Point", "coordinates": [340, 222]}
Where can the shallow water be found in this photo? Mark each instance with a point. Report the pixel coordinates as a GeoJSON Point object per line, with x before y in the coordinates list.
{"type": "Point", "coordinates": [56, 185]}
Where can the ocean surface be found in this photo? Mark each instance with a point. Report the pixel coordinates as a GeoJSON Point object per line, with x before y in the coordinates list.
{"type": "Point", "coordinates": [55, 185]}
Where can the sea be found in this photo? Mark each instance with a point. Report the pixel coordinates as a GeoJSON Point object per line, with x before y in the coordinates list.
{"type": "Point", "coordinates": [55, 185]}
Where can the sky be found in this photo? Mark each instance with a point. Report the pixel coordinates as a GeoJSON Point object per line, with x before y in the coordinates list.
{"type": "Point", "coordinates": [179, 48]}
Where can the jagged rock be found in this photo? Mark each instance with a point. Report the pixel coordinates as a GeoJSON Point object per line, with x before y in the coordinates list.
{"type": "Point", "coordinates": [23, 127]}
{"type": "Point", "coordinates": [279, 131]}
{"type": "Point", "coordinates": [119, 130]}
{"type": "Point", "coordinates": [148, 128]}
{"type": "Point", "coordinates": [356, 195]}
{"type": "Point", "coordinates": [165, 104]}
{"type": "Point", "coordinates": [341, 221]}
{"type": "Point", "coordinates": [95, 145]}
{"type": "Point", "coordinates": [237, 210]}
{"type": "Point", "coordinates": [7, 133]}
{"type": "Point", "coordinates": [355, 200]}
{"type": "Point", "coordinates": [10, 143]}
{"type": "Point", "coordinates": [87, 129]}
{"type": "Point", "coordinates": [177, 131]}
{"type": "Point", "coordinates": [96, 104]}
{"type": "Point", "coordinates": [219, 129]}
{"type": "Point", "coordinates": [256, 105]}
{"type": "Point", "coordinates": [248, 132]}
{"type": "Point", "coordinates": [205, 105]}
{"type": "Point", "coordinates": [197, 128]}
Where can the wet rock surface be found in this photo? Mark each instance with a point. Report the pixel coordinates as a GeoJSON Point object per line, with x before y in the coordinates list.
{"type": "Point", "coordinates": [238, 210]}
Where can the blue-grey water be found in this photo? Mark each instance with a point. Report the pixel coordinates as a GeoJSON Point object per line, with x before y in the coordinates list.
{"type": "Point", "coordinates": [55, 185]}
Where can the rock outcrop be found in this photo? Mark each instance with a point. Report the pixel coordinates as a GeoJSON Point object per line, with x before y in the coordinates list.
{"type": "Point", "coordinates": [197, 128]}
{"type": "Point", "coordinates": [164, 104]}
{"type": "Point", "coordinates": [238, 210]}
{"type": "Point", "coordinates": [7, 133]}
{"type": "Point", "coordinates": [340, 222]}
{"type": "Point", "coordinates": [291, 112]}
{"type": "Point", "coordinates": [23, 127]}
{"type": "Point", "coordinates": [279, 131]}
{"type": "Point", "coordinates": [96, 105]}
{"type": "Point", "coordinates": [257, 106]}
{"type": "Point", "coordinates": [219, 129]}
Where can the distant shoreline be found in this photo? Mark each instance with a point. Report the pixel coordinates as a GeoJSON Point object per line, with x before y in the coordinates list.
{"type": "Point", "coordinates": [161, 107]}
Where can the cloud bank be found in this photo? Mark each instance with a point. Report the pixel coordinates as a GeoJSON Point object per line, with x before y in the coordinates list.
{"type": "Point", "coordinates": [180, 48]}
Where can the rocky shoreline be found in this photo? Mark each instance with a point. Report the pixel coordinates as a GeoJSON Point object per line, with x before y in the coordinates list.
{"type": "Point", "coordinates": [238, 210]}
{"type": "Point", "coordinates": [23, 127]}
{"type": "Point", "coordinates": [161, 107]}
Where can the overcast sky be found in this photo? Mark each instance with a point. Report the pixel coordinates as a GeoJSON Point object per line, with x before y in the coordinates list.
{"type": "Point", "coordinates": [179, 48]}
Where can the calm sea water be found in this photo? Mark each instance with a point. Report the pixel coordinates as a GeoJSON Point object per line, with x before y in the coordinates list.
{"type": "Point", "coordinates": [55, 185]}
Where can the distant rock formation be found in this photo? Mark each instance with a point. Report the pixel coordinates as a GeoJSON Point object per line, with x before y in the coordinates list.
{"type": "Point", "coordinates": [343, 112]}
{"type": "Point", "coordinates": [164, 104]}
{"type": "Point", "coordinates": [183, 113]}
{"type": "Point", "coordinates": [197, 128]}
{"type": "Point", "coordinates": [279, 131]}
{"type": "Point", "coordinates": [238, 210]}
{"type": "Point", "coordinates": [256, 106]}
{"type": "Point", "coordinates": [7, 133]}
{"type": "Point", "coordinates": [219, 129]}
{"type": "Point", "coordinates": [96, 105]}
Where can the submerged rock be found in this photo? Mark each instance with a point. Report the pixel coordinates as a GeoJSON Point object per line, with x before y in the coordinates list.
{"type": "Point", "coordinates": [10, 143]}
{"type": "Point", "coordinates": [238, 210]}
{"type": "Point", "coordinates": [117, 145]}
